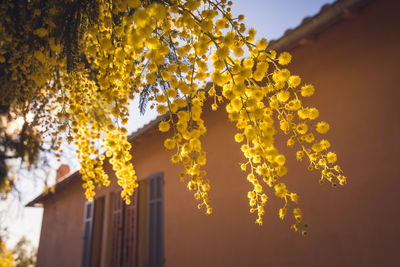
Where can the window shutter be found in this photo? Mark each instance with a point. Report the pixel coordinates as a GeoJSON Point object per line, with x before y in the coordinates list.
{"type": "Point", "coordinates": [117, 229]}
{"type": "Point", "coordinates": [97, 232]}
{"type": "Point", "coordinates": [143, 206]}
{"type": "Point", "coordinates": [87, 233]}
{"type": "Point", "coordinates": [156, 220]}
{"type": "Point", "coordinates": [130, 237]}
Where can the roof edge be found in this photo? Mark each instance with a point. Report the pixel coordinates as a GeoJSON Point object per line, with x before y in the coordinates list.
{"type": "Point", "coordinates": [38, 201]}
{"type": "Point", "coordinates": [328, 14]}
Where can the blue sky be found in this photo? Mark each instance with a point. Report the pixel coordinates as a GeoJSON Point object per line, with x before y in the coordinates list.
{"type": "Point", "coordinates": [271, 18]}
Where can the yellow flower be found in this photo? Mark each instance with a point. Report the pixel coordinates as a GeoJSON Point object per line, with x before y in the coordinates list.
{"type": "Point", "coordinates": [322, 162]}
{"type": "Point", "coordinates": [250, 177]}
{"type": "Point", "coordinates": [243, 167]}
{"type": "Point", "coordinates": [337, 168]}
{"type": "Point", "coordinates": [175, 158]}
{"type": "Point", "coordinates": [331, 157]}
{"type": "Point", "coordinates": [161, 98]}
{"type": "Point", "coordinates": [236, 103]}
{"type": "Point", "coordinates": [171, 92]}
{"type": "Point", "coordinates": [307, 90]}
{"type": "Point", "coordinates": [280, 159]}
{"type": "Point", "coordinates": [302, 128]}
{"type": "Point", "coordinates": [258, 188]}
{"type": "Point", "coordinates": [299, 154]}
{"type": "Point", "coordinates": [205, 187]}
{"type": "Point", "coordinates": [294, 81]}
{"type": "Point", "coordinates": [314, 156]}
{"type": "Point", "coordinates": [262, 44]}
{"type": "Point", "coordinates": [303, 113]}
{"type": "Point", "coordinates": [281, 171]}
{"type": "Point", "coordinates": [222, 52]}
{"type": "Point", "coordinates": [309, 138]}
{"type": "Point", "coordinates": [162, 109]}
{"type": "Point", "coordinates": [282, 213]}
{"type": "Point", "coordinates": [252, 34]}
{"type": "Point", "coordinates": [40, 56]}
{"type": "Point", "coordinates": [164, 126]}
{"type": "Point", "coordinates": [280, 190]}
{"type": "Point", "coordinates": [294, 197]}
{"type": "Point", "coordinates": [187, 147]}
{"type": "Point", "coordinates": [297, 214]}
{"type": "Point", "coordinates": [133, 3]}
{"type": "Point", "coordinates": [317, 147]}
{"type": "Point", "coordinates": [140, 17]}
{"type": "Point", "coordinates": [196, 144]}
{"type": "Point", "coordinates": [283, 96]}
{"type": "Point", "coordinates": [281, 75]}
{"type": "Point", "coordinates": [219, 64]}
{"type": "Point", "coordinates": [290, 141]}
{"type": "Point", "coordinates": [251, 194]}
{"type": "Point", "coordinates": [156, 10]}
{"type": "Point", "coordinates": [325, 144]}
{"type": "Point", "coordinates": [322, 127]}
{"type": "Point", "coordinates": [284, 58]}
{"type": "Point", "coordinates": [191, 185]}
{"type": "Point", "coordinates": [169, 144]}
{"type": "Point", "coordinates": [284, 125]}
{"type": "Point", "coordinates": [207, 25]}
{"type": "Point", "coordinates": [239, 137]}
{"type": "Point", "coordinates": [151, 78]}
{"type": "Point", "coordinates": [248, 63]}
{"type": "Point", "coordinates": [41, 32]}
{"type": "Point", "coordinates": [220, 23]}
{"type": "Point", "coordinates": [294, 104]}
{"type": "Point", "coordinates": [314, 113]}
{"type": "Point", "coordinates": [264, 198]}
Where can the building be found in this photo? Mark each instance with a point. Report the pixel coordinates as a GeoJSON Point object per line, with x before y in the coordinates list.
{"type": "Point", "coordinates": [350, 52]}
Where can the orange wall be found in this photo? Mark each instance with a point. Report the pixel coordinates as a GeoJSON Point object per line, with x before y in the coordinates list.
{"type": "Point", "coordinates": [61, 236]}
{"type": "Point", "coordinates": [354, 66]}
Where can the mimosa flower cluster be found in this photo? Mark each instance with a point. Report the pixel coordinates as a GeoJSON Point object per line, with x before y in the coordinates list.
{"type": "Point", "coordinates": [167, 51]}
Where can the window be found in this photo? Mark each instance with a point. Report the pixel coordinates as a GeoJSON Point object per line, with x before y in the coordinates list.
{"type": "Point", "coordinates": [93, 226]}
{"type": "Point", "coordinates": [135, 231]}
{"type": "Point", "coordinates": [156, 221]}
{"type": "Point", "coordinates": [124, 231]}
{"type": "Point", "coordinates": [87, 233]}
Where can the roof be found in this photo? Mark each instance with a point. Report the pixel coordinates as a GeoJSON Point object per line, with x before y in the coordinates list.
{"type": "Point", "coordinates": [61, 184]}
{"type": "Point", "coordinates": [328, 15]}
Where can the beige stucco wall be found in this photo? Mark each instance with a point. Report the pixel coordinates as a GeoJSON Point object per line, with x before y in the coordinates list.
{"type": "Point", "coordinates": [354, 66]}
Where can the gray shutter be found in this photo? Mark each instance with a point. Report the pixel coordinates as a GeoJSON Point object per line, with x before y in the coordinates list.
{"type": "Point", "coordinates": [87, 233]}
{"type": "Point", "coordinates": [143, 230]}
{"type": "Point", "coordinates": [156, 220]}
{"type": "Point", "coordinates": [97, 232]}
{"type": "Point", "coordinates": [130, 238]}
{"type": "Point", "coordinates": [117, 229]}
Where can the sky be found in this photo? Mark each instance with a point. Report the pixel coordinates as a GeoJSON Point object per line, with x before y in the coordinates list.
{"type": "Point", "coordinates": [271, 18]}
